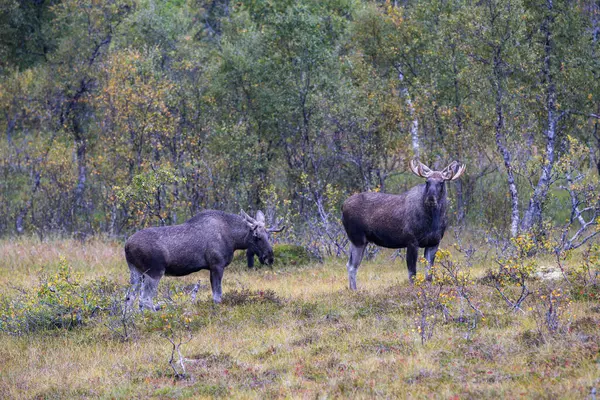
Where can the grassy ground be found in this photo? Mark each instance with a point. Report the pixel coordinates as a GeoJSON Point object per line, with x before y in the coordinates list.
{"type": "Point", "coordinates": [290, 332]}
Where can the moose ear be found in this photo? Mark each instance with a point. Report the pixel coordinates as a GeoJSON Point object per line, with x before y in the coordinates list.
{"type": "Point", "coordinates": [420, 169]}
{"type": "Point", "coordinates": [260, 217]}
{"type": "Point", "coordinates": [453, 171]}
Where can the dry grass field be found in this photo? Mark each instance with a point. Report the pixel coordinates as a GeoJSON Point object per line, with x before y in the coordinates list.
{"type": "Point", "coordinates": [291, 331]}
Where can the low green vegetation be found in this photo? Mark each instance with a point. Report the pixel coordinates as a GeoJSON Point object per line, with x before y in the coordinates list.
{"type": "Point", "coordinates": [286, 255]}
{"type": "Point", "coordinates": [295, 331]}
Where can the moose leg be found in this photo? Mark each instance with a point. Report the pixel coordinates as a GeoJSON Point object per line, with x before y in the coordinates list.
{"type": "Point", "coordinates": [149, 286]}
{"type": "Point", "coordinates": [135, 279]}
{"type": "Point", "coordinates": [250, 258]}
{"type": "Point", "coordinates": [430, 256]}
{"type": "Point", "coordinates": [412, 253]}
{"type": "Point", "coordinates": [216, 275]}
{"type": "Point", "coordinates": [356, 255]}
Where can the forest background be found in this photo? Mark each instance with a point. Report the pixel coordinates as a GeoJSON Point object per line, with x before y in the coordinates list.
{"type": "Point", "coordinates": [121, 114]}
{"type": "Point", "coordinates": [117, 115]}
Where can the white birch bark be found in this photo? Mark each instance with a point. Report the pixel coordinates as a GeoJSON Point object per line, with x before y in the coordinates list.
{"type": "Point", "coordinates": [533, 214]}
{"type": "Point", "coordinates": [414, 126]}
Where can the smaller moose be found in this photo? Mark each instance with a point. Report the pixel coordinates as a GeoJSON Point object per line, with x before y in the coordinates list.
{"type": "Point", "coordinates": [206, 241]}
{"type": "Point", "coordinates": [413, 219]}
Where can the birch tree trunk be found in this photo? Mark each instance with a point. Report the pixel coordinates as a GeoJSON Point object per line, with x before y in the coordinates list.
{"type": "Point", "coordinates": [501, 142]}
{"type": "Point", "coordinates": [460, 198]}
{"type": "Point", "coordinates": [414, 126]}
{"type": "Point", "coordinates": [73, 113]}
{"type": "Point", "coordinates": [533, 214]}
{"type": "Point", "coordinates": [594, 13]}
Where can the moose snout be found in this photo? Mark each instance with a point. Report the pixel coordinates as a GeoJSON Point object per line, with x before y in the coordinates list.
{"type": "Point", "coordinates": [267, 258]}
{"type": "Point", "coordinates": [431, 201]}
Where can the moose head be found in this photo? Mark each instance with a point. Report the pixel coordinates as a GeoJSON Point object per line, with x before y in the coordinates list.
{"type": "Point", "coordinates": [259, 241]}
{"type": "Point", "coordinates": [435, 186]}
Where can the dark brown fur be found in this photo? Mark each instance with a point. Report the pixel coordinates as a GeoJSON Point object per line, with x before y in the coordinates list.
{"type": "Point", "coordinates": [412, 220]}
{"type": "Point", "coordinates": [206, 241]}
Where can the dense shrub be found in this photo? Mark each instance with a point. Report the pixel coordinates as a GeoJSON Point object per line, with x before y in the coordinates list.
{"type": "Point", "coordinates": [285, 255]}
{"type": "Point", "coordinates": [59, 301]}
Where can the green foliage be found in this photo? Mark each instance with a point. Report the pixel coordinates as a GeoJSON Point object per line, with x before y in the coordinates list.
{"type": "Point", "coordinates": [24, 40]}
{"type": "Point", "coordinates": [585, 275]}
{"type": "Point", "coordinates": [291, 255]}
{"type": "Point", "coordinates": [514, 272]}
{"type": "Point", "coordinates": [285, 256]}
{"type": "Point", "coordinates": [59, 301]}
{"type": "Point", "coordinates": [160, 24]}
{"type": "Point", "coordinates": [173, 316]}
{"type": "Point", "coordinates": [441, 298]}
{"type": "Point", "coordinates": [124, 113]}
{"type": "Point", "coordinates": [143, 195]}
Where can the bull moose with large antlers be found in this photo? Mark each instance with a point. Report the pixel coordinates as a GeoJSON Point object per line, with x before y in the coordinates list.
{"type": "Point", "coordinates": [206, 241]}
{"type": "Point", "coordinates": [414, 219]}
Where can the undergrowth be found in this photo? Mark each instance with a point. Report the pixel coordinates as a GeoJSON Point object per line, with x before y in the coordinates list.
{"type": "Point", "coordinates": [298, 332]}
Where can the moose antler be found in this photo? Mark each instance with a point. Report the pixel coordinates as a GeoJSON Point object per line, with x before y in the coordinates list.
{"type": "Point", "coordinates": [453, 171]}
{"type": "Point", "coordinates": [420, 169]}
{"type": "Point", "coordinates": [277, 227]}
{"type": "Point", "coordinates": [249, 220]}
